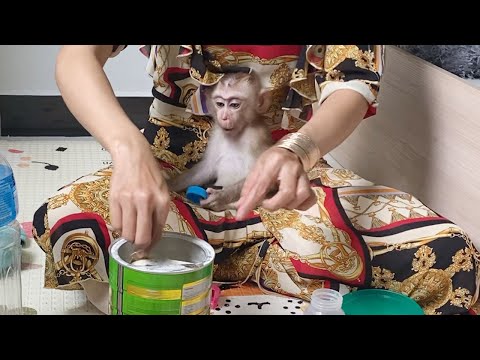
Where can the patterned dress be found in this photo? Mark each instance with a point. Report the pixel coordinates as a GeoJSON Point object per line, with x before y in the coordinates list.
{"type": "Point", "coordinates": [360, 235]}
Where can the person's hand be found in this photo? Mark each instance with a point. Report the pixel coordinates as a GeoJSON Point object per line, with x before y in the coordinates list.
{"type": "Point", "coordinates": [139, 197]}
{"type": "Point", "coordinates": [280, 169]}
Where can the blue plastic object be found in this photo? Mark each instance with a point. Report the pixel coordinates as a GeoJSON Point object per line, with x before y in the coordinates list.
{"type": "Point", "coordinates": [196, 193]}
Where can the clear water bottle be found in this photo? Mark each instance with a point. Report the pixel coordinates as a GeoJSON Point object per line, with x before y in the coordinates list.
{"type": "Point", "coordinates": [10, 244]}
{"type": "Point", "coordinates": [325, 302]}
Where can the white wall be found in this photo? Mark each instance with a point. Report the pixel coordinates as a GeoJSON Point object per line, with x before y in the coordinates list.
{"type": "Point", "coordinates": [29, 70]}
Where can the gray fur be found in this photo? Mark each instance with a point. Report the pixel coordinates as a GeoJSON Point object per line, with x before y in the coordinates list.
{"type": "Point", "coordinates": [461, 60]}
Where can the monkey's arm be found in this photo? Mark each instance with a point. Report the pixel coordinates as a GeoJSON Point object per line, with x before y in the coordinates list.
{"type": "Point", "coordinates": [200, 174]}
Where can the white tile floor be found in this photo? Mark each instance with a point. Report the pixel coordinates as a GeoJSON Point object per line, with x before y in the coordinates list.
{"type": "Point", "coordinates": [34, 185]}
{"type": "Point", "coordinates": [80, 156]}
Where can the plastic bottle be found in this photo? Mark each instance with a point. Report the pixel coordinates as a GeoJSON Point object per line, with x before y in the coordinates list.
{"type": "Point", "coordinates": [325, 302]}
{"type": "Point", "coordinates": [10, 244]}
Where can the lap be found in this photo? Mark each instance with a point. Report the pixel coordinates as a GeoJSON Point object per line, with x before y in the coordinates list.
{"type": "Point", "coordinates": [357, 235]}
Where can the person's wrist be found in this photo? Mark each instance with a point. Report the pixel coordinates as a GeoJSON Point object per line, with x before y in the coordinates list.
{"type": "Point", "coordinates": [289, 153]}
{"type": "Point", "coordinates": [134, 146]}
{"type": "Point", "coordinates": [303, 146]}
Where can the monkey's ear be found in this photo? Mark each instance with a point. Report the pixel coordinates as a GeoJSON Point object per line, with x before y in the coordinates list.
{"type": "Point", "coordinates": [206, 96]}
{"type": "Point", "coordinates": [264, 101]}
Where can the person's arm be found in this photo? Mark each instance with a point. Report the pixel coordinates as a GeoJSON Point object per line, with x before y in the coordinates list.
{"type": "Point", "coordinates": [138, 192]}
{"type": "Point", "coordinates": [343, 106]}
{"type": "Point", "coordinates": [336, 119]}
{"type": "Point", "coordinates": [88, 94]}
{"type": "Point", "coordinates": [330, 125]}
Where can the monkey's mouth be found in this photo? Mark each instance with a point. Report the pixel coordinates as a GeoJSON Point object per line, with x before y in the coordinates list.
{"type": "Point", "coordinates": [228, 130]}
{"type": "Point", "coordinates": [227, 125]}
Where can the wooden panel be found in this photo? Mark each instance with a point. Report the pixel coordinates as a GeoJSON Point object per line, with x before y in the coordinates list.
{"type": "Point", "coordinates": [425, 139]}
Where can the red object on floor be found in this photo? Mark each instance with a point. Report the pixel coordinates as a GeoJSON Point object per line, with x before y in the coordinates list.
{"type": "Point", "coordinates": [28, 227]}
{"type": "Point", "coordinates": [215, 296]}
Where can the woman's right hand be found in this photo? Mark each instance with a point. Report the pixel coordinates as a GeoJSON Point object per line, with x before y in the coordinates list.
{"type": "Point", "coordinates": [139, 197]}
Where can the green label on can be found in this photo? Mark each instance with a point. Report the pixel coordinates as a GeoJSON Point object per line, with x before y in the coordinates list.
{"type": "Point", "coordinates": [136, 292]}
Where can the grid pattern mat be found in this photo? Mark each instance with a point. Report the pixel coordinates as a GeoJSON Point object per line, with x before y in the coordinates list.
{"type": "Point", "coordinates": [43, 165]}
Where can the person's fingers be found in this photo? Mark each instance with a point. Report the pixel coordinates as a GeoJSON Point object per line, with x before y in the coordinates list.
{"type": "Point", "coordinates": [308, 203]}
{"type": "Point", "coordinates": [115, 214]}
{"type": "Point", "coordinates": [157, 227]}
{"type": "Point", "coordinates": [288, 178]}
{"type": "Point", "coordinates": [129, 220]}
{"type": "Point", "coordinates": [254, 189]}
{"type": "Point", "coordinates": [143, 234]}
{"type": "Point", "coordinates": [302, 194]}
{"type": "Point", "coordinates": [159, 218]}
{"type": "Point", "coordinates": [138, 254]}
{"type": "Point", "coordinates": [249, 183]}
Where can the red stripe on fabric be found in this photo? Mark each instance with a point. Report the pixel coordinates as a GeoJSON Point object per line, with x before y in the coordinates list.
{"type": "Point", "coordinates": [402, 222]}
{"type": "Point", "coordinates": [278, 134]}
{"type": "Point", "coordinates": [225, 220]}
{"type": "Point", "coordinates": [84, 216]}
{"type": "Point", "coordinates": [337, 220]}
{"type": "Point", "coordinates": [186, 213]}
{"type": "Point", "coordinates": [169, 71]}
{"type": "Point", "coordinates": [165, 165]}
{"type": "Point", "coordinates": [265, 51]}
{"type": "Point", "coordinates": [370, 111]}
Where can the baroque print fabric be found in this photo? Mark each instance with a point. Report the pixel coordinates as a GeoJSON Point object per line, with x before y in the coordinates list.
{"type": "Point", "coordinates": [358, 235]}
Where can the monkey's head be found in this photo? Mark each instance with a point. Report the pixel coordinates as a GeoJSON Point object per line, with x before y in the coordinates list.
{"type": "Point", "coordinates": [237, 101]}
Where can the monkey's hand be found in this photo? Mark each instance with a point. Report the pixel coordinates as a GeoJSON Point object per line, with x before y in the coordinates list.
{"type": "Point", "coordinates": [219, 200]}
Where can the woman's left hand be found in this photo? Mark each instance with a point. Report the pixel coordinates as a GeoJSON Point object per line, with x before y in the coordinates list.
{"type": "Point", "coordinates": [276, 168]}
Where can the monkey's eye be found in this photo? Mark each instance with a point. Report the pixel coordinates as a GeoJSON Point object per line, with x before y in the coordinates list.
{"type": "Point", "coordinates": [235, 105]}
{"type": "Point", "coordinates": [219, 104]}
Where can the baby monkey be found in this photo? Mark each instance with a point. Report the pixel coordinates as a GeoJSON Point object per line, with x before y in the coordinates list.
{"type": "Point", "coordinates": [238, 137]}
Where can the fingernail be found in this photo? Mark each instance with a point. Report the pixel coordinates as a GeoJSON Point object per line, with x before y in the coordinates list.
{"type": "Point", "coordinates": [138, 254]}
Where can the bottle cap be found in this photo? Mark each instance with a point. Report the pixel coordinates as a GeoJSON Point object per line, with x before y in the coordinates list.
{"type": "Point", "coordinates": [196, 193]}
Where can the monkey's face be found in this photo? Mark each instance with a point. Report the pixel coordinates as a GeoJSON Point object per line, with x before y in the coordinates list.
{"type": "Point", "coordinates": [233, 108]}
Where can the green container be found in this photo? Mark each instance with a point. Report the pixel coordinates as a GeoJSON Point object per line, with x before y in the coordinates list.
{"type": "Point", "coordinates": [179, 283]}
{"type": "Point", "coordinates": [379, 302]}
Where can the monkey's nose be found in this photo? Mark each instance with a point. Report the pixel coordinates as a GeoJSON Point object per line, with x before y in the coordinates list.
{"type": "Point", "coordinates": [224, 114]}
{"type": "Point", "coordinates": [227, 124]}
